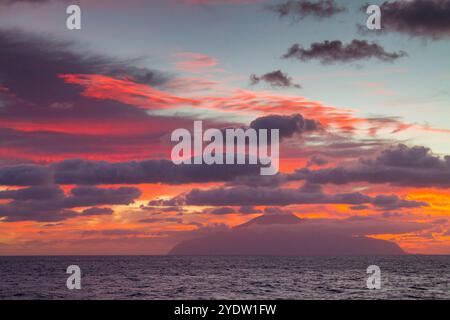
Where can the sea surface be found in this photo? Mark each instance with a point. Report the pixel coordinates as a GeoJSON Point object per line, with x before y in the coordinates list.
{"type": "Point", "coordinates": [172, 277]}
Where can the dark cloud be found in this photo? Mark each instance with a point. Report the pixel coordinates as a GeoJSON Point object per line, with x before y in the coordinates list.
{"type": "Point", "coordinates": [248, 210]}
{"type": "Point", "coordinates": [317, 160]}
{"type": "Point", "coordinates": [418, 18]}
{"type": "Point", "coordinates": [149, 171]}
{"type": "Point", "coordinates": [311, 188]}
{"type": "Point", "coordinates": [50, 143]}
{"type": "Point", "coordinates": [49, 203]}
{"type": "Point", "coordinates": [31, 65]}
{"type": "Point", "coordinates": [276, 79]}
{"type": "Point", "coordinates": [92, 196]}
{"type": "Point", "coordinates": [32, 92]}
{"type": "Point", "coordinates": [51, 225]}
{"type": "Point", "coordinates": [221, 210]}
{"type": "Point", "coordinates": [158, 220]}
{"type": "Point", "coordinates": [398, 165]}
{"type": "Point", "coordinates": [24, 175]}
{"type": "Point", "coordinates": [34, 211]}
{"type": "Point", "coordinates": [411, 157]}
{"type": "Point", "coordinates": [288, 125]}
{"type": "Point", "coordinates": [359, 207]}
{"type": "Point", "coordinates": [440, 221]}
{"type": "Point", "coordinates": [47, 192]}
{"type": "Point", "coordinates": [29, 59]}
{"type": "Point", "coordinates": [85, 172]}
{"type": "Point", "coordinates": [158, 210]}
{"type": "Point", "coordinates": [390, 214]}
{"type": "Point", "coordinates": [139, 75]}
{"type": "Point", "coordinates": [97, 211]}
{"type": "Point", "coordinates": [254, 196]}
{"type": "Point", "coordinates": [343, 147]}
{"type": "Point", "coordinates": [259, 181]}
{"type": "Point", "coordinates": [328, 52]}
{"type": "Point", "coordinates": [393, 202]}
{"type": "Point", "coordinates": [300, 9]}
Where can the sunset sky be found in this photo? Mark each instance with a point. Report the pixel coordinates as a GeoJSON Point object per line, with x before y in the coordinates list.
{"type": "Point", "coordinates": [86, 118]}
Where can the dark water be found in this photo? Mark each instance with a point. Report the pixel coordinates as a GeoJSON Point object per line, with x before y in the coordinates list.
{"type": "Point", "coordinates": [161, 277]}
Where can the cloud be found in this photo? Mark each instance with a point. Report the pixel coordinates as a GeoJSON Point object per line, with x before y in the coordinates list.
{"type": "Point", "coordinates": [195, 62]}
{"type": "Point", "coordinates": [107, 101]}
{"type": "Point", "coordinates": [36, 145]}
{"type": "Point", "coordinates": [54, 120]}
{"type": "Point", "coordinates": [288, 125]}
{"type": "Point", "coordinates": [417, 18]}
{"type": "Point", "coordinates": [300, 9]}
{"type": "Point", "coordinates": [248, 210]}
{"type": "Point", "coordinates": [79, 171]}
{"type": "Point", "coordinates": [317, 160]}
{"type": "Point", "coordinates": [359, 207]}
{"type": "Point", "coordinates": [158, 210]}
{"type": "Point", "coordinates": [329, 52]}
{"type": "Point", "coordinates": [220, 210]}
{"type": "Point", "coordinates": [398, 165]}
{"type": "Point", "coordinates": [411, 157]}
{"type": "Point", "coordinates": [257, 196]}
{"type": "Point", "coordinates": [91, 196]}
{"type": "Point", "coordinates": [47, 192]}
{"type": "Point", "coordinates": [393, 202]}
{"type": "Point", "coordinates": [159, 220]}
{"type": "Point", "coordinates": [50, 203]}
{"type": "Point", "coordinates": [191, 84]}
{"type": "Point", "coordinates": [24, 175]}
{"type": "Point", "coordinates": [138, 75]}
{"type": "Point", "coordinates": [97, 211]}
{"type": "Point", "coordinates": [126, 91]}
{"type": "Point", "coordinates": [29, 58]}
{"type": "Point", "coordinates": [276, 79]}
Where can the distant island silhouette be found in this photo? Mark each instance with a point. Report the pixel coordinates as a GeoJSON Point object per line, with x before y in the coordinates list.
{"type": "Point", "coordinates": [284, 235]}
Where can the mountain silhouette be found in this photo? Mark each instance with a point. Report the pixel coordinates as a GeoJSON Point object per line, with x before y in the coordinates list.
{"type": "Point", "coordinates": [284, 235]}
{"type": "Point", "coordinates": [272, 220]}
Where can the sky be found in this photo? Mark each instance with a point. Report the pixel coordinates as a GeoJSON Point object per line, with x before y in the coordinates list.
{"type": "Point", "coordinates": [86, 117]}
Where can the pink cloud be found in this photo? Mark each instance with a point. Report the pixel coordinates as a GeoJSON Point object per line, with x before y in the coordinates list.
{"type": "Point", "coordinates": [125, 91]}
{"type": "Point", "coordinates": [194, 62]}
{"type": "Point", "coordinates": [192, 84]}
{"type": "Point", "coordinates": [240, 101]}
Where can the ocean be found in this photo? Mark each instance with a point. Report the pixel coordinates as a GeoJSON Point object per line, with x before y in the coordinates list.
{"type": "Point", "coordinates": [203, 277]}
